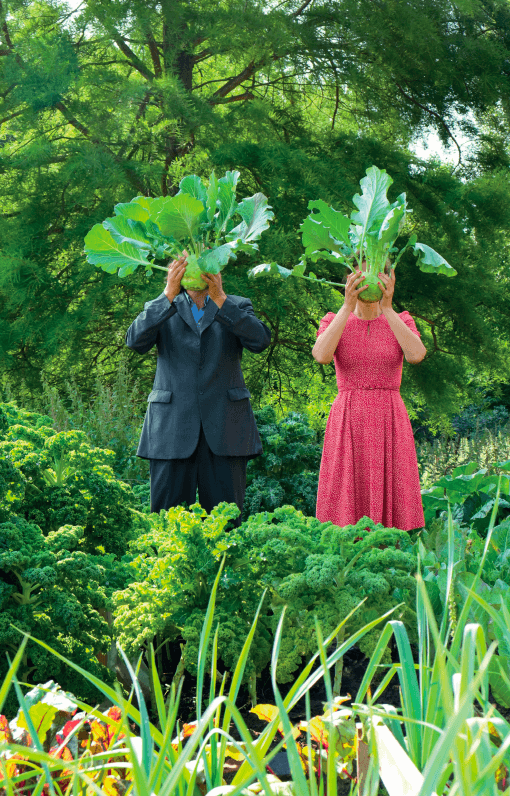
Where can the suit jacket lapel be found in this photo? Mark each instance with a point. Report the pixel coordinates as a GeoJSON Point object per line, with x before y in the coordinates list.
{"type": "Point", "coordinates": [183, 308]}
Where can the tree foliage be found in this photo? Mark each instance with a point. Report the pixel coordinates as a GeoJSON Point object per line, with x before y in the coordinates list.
{"type": "Point", "coordinates": [106, 101]}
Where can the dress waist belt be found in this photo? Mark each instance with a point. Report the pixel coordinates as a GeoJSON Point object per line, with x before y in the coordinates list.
{"type": "Point", "coordinates": [342, 389]}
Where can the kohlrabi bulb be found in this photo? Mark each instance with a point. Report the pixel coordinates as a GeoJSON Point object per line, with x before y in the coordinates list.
{"type": "Point", "coordinates": [373, 292]}
{"type": "Point", "coordinates": [192, 279]}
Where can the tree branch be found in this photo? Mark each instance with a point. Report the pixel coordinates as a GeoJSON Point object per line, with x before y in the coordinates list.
{"type": "Point", "coordinates": [153, 49]}
{"type": "Point", "coordinates": [431, 113]}
{"type": "Point", "coordinates": [236, 98]}
{"type": "Point", "coordinates": [236, 81]}
{"type": "Point", "coordinates": [302, 8]}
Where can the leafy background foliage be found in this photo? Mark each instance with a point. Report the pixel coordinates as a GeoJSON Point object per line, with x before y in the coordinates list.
{"type": "Point", "coordinates": [300, 98]}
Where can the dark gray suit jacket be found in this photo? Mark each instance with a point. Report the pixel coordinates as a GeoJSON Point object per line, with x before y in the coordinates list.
{"type": "Point", "coordinates": [198, 377]}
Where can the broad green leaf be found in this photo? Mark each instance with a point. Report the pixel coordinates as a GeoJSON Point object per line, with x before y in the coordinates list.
{"type": "Point", "coordinates": [213, 260]}
{"type": "Point", "coordinates": [430, 262]}
{"type": "Point", "coordinates": [42, 716]}
{"type": "Point", "coordinates": [151, 205]}
{"type": "Point", "coordinates": [123, 232]}
{"type": "Point", "coordinates": [256, 216]}
{"type": "Point", "coordinates": [373, 203]}
{"type": "Point", "coordinates": [315, 237]}
{"type": "Point", "coordinates": [212, 196]}
{"type": "Point", "coordinates": [106, 253]}
{"type": "Point", "coordinates": [499, 679]}
{"type": "Point", "coordinates": [179, 216]}
{"type": "Point", "coordinates": [193, 186]}
{"type": "Point", "coordinates": [226, 198]}
{"type": "Point", "coordinates": [392, 224]}
{"type": "Point", "coordinates": [132, 209]}
{"type": "Point", "coordinates": [334, 221]}
{"type": "Point", "coordinates": [270, 268]}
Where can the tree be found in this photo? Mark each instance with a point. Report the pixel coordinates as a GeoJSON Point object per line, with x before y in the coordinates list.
{"type": "Point", "coordinates": [115, 99]}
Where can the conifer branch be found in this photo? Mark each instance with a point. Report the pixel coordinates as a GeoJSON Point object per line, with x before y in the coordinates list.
{"type": "Point", "coordinates": [302, 8]}
{"type": "Point", "coordinates": [153, 49]}
{"type": "Point", "coordinates": [236, 98]}
{"type": "Point", "coordinates": [431, 113]}
{"type": "Point", "coordinates": [236, 81]}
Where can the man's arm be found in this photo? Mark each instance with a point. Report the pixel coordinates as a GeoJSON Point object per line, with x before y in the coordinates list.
{"type": "Point", "coordinates": [143, 332]}
{"type": "Point", "coordinates": [242, 321]}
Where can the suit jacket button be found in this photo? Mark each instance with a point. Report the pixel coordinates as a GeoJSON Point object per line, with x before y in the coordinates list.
{"type": "Point", "coordinates": [201, 392]}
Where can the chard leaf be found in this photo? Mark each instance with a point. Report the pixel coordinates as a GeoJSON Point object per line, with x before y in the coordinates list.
{"type": "Point", "coordinates": [499, 679]}
{"type": "Point", "coordinates": [256, 215]}
{"type": "Point", "coordinates": [213, 260]}
{"type": "Point", "coordinates": [372, 204]}
{"type": "Point", "coordinates": [124, 232]}
{"type": "Point", "coordinates": [212, 196]}
{"type": "Point", "coordinates": [132, 210]}
{"type": "Point", "coordinates": [193, 186]}
{"type": "Point", "coordinates": [180, 216]}
{"type": "Point", "coordinates": [430, 262]}
{"type": "Point", "coordinates": [226, 199]}
{"type": "Point", "coordinates": [106, 253]}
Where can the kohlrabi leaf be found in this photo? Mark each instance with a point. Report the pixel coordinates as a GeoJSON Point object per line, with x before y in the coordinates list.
{"type": "Point", "coordinates": [226, 199]}
{"type": "Point", "coordinates": [213, 260]}
{"type": "Point", "coordinates": [270, 268]}
{"type": "Point", "coordinates": [256, 215]}
{"type": "Point", "coordinates": [430, 262]}
{"type": "Point", "coordinates": [334, 221]}
{"type": "Point", "coordinates": [212, 196]}
{"type": "Point", "coordinates": [180, 216]}
{"type": "Point", "coordinates": [193, 186]}
{"type": "Point", "coordinates": [372, 203]}
{"type": "Point", "coordinates": [106, 253]}
{"type": "Point", "coordinates": [132, 210]}
{"type": "Point", "coordinates": [153, 206]}
{"type": "Point", "coordinates": [124, 232]}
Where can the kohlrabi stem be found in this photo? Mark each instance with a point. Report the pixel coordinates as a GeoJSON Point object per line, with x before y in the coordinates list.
{"type": "Point", "coordinates": [159, 267]}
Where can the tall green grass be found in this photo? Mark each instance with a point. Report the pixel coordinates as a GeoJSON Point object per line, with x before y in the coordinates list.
{"type": "Point", "coordinates": [451, 731]}
{"type": "Point", "coordinates": [160, 766]}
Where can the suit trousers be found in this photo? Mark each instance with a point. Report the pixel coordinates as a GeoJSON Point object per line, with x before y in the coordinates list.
{"type": "Point", "coordinates": [218, 478]}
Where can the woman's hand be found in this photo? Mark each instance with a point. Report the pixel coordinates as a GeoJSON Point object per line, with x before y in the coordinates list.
{"type": "Point", "coordinates": [387, 287]}
{"type": "Point", "coordinates": [351, 289]}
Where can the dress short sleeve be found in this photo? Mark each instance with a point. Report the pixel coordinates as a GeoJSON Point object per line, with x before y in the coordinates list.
{"type": "Point", "coordinates": [408, 320]}
{"type": "Point", "coordinates": [326, 321]}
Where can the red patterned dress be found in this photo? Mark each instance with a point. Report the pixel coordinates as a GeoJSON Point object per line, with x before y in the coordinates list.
{"type": "Point", "coordinates": [369, 465]}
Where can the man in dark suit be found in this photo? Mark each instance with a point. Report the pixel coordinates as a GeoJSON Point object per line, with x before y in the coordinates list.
{"type": "Point", "coordinates": [199, 428]}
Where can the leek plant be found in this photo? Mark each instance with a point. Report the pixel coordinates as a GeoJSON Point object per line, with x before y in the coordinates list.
{"type": "Point", "coordinates": [152, 761]}
{"type": "Point", "coordinates": [453, 735]}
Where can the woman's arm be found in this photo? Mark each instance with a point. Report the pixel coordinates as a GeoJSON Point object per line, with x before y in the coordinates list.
{"type": "Point", "coordinates": [410, 343]}
{"type": "Point", "coordinates": [327, 342]}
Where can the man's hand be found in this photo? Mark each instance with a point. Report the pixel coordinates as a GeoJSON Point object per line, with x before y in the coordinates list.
{"type": "Point", "coordinates": [216, 291]}
{"type": "Point", "coordinates": [176, 271]}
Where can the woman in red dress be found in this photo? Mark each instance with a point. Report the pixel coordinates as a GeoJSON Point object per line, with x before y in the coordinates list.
{"type": "Point", "coordinates": [369, 466]}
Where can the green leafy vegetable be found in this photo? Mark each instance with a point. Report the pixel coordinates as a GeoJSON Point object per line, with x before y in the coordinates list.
{"type": "Point", "coordinates": [369, 234]}
{"type": "Point", "coordinates": [200, 219]}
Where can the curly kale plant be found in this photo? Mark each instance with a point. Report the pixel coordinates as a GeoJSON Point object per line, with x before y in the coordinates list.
{"type": "Point", "coordinates": [51, 589]}
{"type": "Point", "coordinates": [287, 473]}
{"type": "Point", "coordinates": [313, 568]}
{"type": "Point", "coordinates": [319, 569]}
{"type": "Point", "coordinates": [63, 480]}
{"type": "Point", "coordinates": [199, 218]}
{"type": "Point", "coordinates": [173, 571]}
